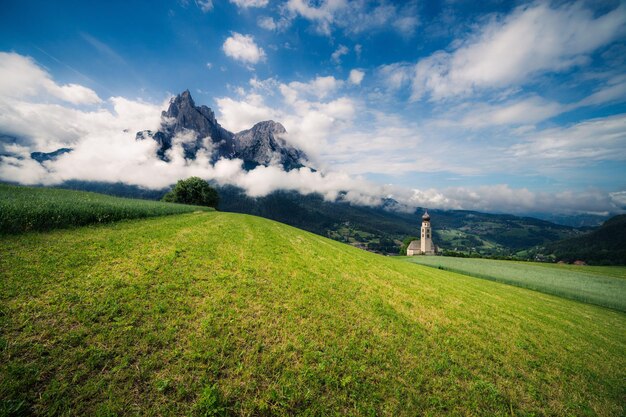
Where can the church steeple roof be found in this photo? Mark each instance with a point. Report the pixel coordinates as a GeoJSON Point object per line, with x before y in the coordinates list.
{"type": "Point", "coordinates": [426, 216]}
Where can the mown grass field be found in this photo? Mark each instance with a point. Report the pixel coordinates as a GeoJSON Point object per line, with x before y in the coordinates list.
{"type": "Point", "coordinates": [600, 285]}
{"type": "Point", "coordinates": [225, 314]}
{"type": "Point", "coordinates": [25, 209]}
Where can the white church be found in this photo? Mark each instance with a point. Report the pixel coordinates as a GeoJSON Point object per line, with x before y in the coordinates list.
{"type": "Point", "coordinates": [425, 245]}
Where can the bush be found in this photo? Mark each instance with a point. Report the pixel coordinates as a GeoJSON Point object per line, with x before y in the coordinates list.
{"type": "Point", "coordinates": [194, 191]}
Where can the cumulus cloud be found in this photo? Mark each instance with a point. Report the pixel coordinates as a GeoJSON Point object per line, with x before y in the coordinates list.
{"type": "Point", "coordinates": [20, 76]}
{"type": "Point", "coordinates": [34, 113]}
{"type": "Point", "coordinates": [319, 87]}
{"type": "Point", "coordinates": [243, 48]}
{"type": "Point", "coordinates": [238, 115]}
{"type": "Point", "coordinates": [534, 39]}
{"type": "Point", "coordinates": [267, 22]}
{"type": "Point", "coordinates": [250, 3]}
{"type": "Point", "coordinates": [356, 76]}
{"type": "Point", "coordinates": [310, 110]}
{"type": "Point", "coordinates": [105, 149]}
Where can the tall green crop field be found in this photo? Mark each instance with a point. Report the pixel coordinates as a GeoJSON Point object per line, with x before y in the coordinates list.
{"type": "Point", "coordinates": [223, 314]}
{"type": "Point", "coordinates": [600, 285]}
{"type": "Point", "coordinates": [24, 209]}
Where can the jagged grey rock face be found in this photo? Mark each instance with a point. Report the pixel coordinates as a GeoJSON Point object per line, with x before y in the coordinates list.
{"type": "Point", "coordinates": [49, 156]}
{"type": "Point", "coordinates": [264, 145]}
{"type": "Point", "coordinates": [261, 145]}
{"type": "Point", "coordinates": [184, 118]}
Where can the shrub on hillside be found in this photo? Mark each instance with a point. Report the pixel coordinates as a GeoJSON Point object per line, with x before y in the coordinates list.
{"type": "Point", "coordinates": [194, 191]}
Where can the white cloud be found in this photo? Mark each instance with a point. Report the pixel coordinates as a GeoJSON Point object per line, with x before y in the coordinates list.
{"type": "Point", "coordinates": [205, 5]}
{"type": "Point", "coordinates": [582, 143]}
{"type": "Point", "coordinates": [243, 114]}
{"type": "Point", "coordinates": [395, 76]}
{"type": "Point", "coordinates": [310, 112]}
{"type": "Point", "coordinates": [243, 48]}
{"type": "Point", "coordinates": [105, 148]}
{"type": "Point", "coordinates": [613, 91]}
{"type": "Point", "coordinates": [320, 87]}
{"type": "Point", "coordinates": [209, 65]}
{"type": "Point", "coordinates": [356, 76]}
{"type": "Point", "coordinates": [339, 52]}
{"type": "Point", "coordinates": [267, 22]}
{"type": "Point", "coordinates": [250, 3]}
{"type": "Point", "coordinates": [323, 15]}
{"type": "Point", "coordinates": [619, 198]}
{"type": "Point", "coordinates": [406, 24]}
{"type": "Point", "coordinates": [534, 39]}
{"type": "Point", "coordinates": [529, 110]}
{"type": "Point", "coordinates": [355, 16]}
{"type": "Point", "coordinates": [358, 48]}
{"type": "Point", "coordinates": [503, 198]}
{"type": "Point", "coordinates": [20, 76]}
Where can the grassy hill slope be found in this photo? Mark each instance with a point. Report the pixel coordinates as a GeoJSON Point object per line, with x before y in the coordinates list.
{"type": "Point", "coordinates": [225, 314]}
{"type": "Point", "coordinates": [24, 209]}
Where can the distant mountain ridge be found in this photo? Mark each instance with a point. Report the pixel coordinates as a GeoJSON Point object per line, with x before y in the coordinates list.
{"type": "Point", "coordinates": [263, 144]}
{"type": "Point", "coordinates": [603, 246]}
{"type": "Point", "coordinates": [381, 228]}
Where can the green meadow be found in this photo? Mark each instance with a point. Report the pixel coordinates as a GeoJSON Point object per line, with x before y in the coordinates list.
{"type": "Point", "coordinates": [212, 313]}
{"type": "Point", "coordinates": [600, 285]}
{"type": "Point", "coordinates": [24, 209]}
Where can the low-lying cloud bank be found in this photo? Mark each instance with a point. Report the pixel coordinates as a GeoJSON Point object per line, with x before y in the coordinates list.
{"type": "Point", "coordinates": [37, 114]}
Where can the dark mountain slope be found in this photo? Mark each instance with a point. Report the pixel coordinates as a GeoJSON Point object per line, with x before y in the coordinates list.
{"type": "Point", "coordinates": [606, 245]}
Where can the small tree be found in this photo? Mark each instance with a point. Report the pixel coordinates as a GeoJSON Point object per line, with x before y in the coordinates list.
{"type": "Point", "coordinates": [194, 191]}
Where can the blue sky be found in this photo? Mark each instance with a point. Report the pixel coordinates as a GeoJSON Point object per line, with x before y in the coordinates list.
{"type": "Point", "coordinates": [493, 105]}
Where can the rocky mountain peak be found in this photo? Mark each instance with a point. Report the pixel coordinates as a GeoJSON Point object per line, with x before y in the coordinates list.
{"type": "Point", "coordinates": [269, 126]}
{"type": "Point", "coordinates": [263, 144]}
{"type": "Point", "coordinates": [184, 117]}
{"type": "Point", "coordinates": [183, 109]}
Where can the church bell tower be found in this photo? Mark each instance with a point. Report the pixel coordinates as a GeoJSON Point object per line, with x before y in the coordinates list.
{"type": "Point", "coordinates": [426, 239]}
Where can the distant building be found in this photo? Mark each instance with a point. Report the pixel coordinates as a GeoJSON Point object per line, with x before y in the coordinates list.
{"type": "Point", "coordinates": [425, 245]}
